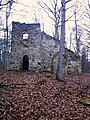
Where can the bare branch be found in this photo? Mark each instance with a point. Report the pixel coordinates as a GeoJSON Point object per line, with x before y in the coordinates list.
{"type": "Point", "coordinates": [1, 8]}
{"type": "Point", "coordinates": [88, 4]}
{"type": "Point", "coordinates": [49, 14]}
{"type": "Point", "coordinates": [86, 30]}
{"type": "Point", "coordinates": [69, 18]}
{"type": "Point", "coordinates": [59, 10]}
{"type": "Point", "coordinates": [45, 6]}
{"type": "Point", "coordinates": [6, 3]}
{"type": "Point", "coordinates": [53, 13]}
{"type": "Point", "coordinates": [68, 1]}
{"type": "Point", "coordinates": [88, 10]}
{"type": "Point", "coordinates": [70, 7]}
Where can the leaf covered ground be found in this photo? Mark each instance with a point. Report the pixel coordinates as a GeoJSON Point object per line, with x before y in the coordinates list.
{"type": "Point", "coordinates": [26, 96]}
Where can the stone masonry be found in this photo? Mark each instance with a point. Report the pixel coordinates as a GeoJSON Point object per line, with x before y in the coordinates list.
{"type": "Point", "coordinates": [34, 50]}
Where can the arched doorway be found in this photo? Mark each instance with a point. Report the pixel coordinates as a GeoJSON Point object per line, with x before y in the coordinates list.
{"type": "Point", "coordinates": [25, 62]}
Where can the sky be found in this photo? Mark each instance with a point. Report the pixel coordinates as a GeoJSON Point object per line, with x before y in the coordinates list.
{"type": "Point", "coordinates": [24, 11]}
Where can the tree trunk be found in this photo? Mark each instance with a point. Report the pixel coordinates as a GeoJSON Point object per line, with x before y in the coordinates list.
{"type": "Point", "coordinates": [61, 62]}
{"type": "Point", "coordinates": [56, 35]}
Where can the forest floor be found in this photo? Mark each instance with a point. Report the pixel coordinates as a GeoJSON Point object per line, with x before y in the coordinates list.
{"type": "Point", "coordinates": [28, 96]}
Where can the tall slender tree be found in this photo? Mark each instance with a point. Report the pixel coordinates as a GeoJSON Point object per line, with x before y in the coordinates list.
{"type": "Point", "coordinates": [60, 74]}
{"type": "Point", "coordinates": [61, 61]}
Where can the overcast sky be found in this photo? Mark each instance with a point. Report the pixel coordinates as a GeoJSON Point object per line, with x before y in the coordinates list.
{"type": "Point", "coordinates": [24, 11]}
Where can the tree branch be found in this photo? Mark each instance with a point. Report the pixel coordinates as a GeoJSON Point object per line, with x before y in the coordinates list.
{"type": "Point", "coordinates": [45, 6]}
{"type": "Point", "coordinates": [7, 3]}
{"type": "Point", "coordinates": [70, 7]}
{"type": "Point", "coordinates": [49, 15]}
{"type": "Point", "coordinates": [69, 18]}
{"type": "Point", "coordinates": [68, 1]}
{"type": "Point", "coordinates": [86, 30]}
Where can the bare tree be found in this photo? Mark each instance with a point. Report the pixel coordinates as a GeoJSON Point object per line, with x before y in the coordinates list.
{"type": "Point", "coordinates": [78, 33]}
{"type": "Point", "coordinates": [54, 12]}
{"type": "Point", "coordinates": [61, 62]}
{"type": "Point", "coordinates": [8, 6]}
{"type": "Point", "coordinates": [61, 58]}
{"type": "Point", "coordinates": [86, 16]}
{"type": "Point", "coordinates": [58, 16]}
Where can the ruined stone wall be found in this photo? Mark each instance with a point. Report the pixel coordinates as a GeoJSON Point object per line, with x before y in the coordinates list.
{"type": "Point", "coordinates": [48, 50]}
{"type": "Point", "coordinates": [72, 63]}
{"type": "Point", "coordinates": [21, 46]}
{"type": "Point", "coordinates": [27, 39]}
{"type": "Point", "coordinates": [49, 55]}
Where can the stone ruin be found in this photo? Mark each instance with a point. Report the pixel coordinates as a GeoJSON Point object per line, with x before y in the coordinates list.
{"type": "Point", "coordinates": [34, 50]}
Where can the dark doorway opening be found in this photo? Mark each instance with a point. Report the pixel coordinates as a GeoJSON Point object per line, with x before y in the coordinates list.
{"type": "Point", "coordinates": [25, 62]}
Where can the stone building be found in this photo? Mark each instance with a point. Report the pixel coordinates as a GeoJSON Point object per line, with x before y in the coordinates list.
{"type": "Point", "coordinates": [34, 50]}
